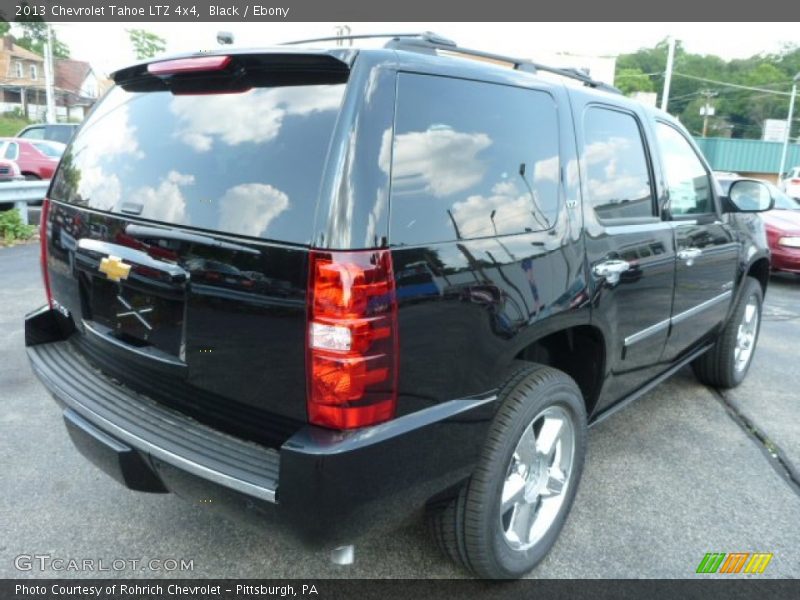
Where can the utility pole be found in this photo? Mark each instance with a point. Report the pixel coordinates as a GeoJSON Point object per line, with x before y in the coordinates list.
{"type": "Point", "coordinates": [668, 74]}
{"type": "Point", "coordinates": [707, 110]}
{"type": "Point", "coordinates": [48, 77]}
{"type": "Point", "coordinates": [788, 128]}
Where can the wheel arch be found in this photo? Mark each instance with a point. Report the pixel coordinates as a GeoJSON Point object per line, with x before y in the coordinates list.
{"type": "Point", "coordinates": [579, 351]}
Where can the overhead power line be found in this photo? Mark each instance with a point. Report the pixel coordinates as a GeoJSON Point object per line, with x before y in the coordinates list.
{"type": "Point", "coordinates": [732, 85]}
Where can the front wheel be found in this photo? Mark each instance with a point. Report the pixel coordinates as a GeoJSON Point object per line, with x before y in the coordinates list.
{"type": "Point", "coordinates": [509, 514]}
{"type": "Point", "coordinates": [727, 363]}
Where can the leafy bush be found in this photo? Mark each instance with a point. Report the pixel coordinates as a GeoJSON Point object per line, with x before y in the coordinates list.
{"type": "Point", "coordinates": [12, 228]}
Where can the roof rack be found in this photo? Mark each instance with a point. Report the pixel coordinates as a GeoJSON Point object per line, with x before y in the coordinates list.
{"type": "Point", "coordinates": [428, 42]}
{"type": "Point", "coordinates": [431, 43]}
{"type": "Point", "coordinates": [427, 35]}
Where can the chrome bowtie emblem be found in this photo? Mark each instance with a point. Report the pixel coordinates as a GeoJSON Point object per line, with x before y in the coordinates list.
{"type": "Point", "coordinates": [133, 312]}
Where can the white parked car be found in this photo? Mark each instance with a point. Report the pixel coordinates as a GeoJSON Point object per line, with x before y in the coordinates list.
{"type": "Point", "coordinates": [791, 183]}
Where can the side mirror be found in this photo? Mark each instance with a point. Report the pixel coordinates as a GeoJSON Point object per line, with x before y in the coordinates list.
{"type": "Point", "coordinates": [750, 195]}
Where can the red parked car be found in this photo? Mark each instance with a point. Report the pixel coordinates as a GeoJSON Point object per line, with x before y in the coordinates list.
{"type": "Point", "coordinates": [783, 234]}
{"type": "Point", "coordinates": [9, 171]}
{"type": "Point", "coordinates": [37, 159]}
{"type": "Point", "coordinates": [783, 229]}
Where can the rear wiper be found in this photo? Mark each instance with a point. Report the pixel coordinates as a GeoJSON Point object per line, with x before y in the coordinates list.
{"type": "Point", "coordinates": [144, 232]}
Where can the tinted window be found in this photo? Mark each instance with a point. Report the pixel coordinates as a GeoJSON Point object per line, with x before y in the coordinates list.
{"type": "Point", "coordinates": [687, 180]}
{"type": "Point", "coordinates": [245, 163]}
{"type": "Point", "coordinates": [59, 134]}
{"type": "Point", "coordinates": [615, 164]}
{"type": "Point", "coordinates": [36, 133]}
{"type": "Point", "coordinates": [472, 160]}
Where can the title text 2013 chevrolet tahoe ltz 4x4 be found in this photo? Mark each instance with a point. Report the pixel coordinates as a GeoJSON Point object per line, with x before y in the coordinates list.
{"type": "Point", "coordinates": [334, 287]}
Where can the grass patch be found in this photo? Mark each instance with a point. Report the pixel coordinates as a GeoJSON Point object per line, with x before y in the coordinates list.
{"type": "Point", "coordinates": [12, 229]}
{"type": "Point", "coordinates": [10, 124]}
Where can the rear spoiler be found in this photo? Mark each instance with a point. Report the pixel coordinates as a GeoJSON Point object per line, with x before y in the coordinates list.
{"type": "Point", "coordinates": [242, 70]}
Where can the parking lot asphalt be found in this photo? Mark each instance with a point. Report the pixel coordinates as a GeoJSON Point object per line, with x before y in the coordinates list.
{"type": "Point", "coordinates": [681, 472]}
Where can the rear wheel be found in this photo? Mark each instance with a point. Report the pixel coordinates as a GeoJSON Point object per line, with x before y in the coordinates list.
{"type": "Point", "coordinates": [508, 515]}
{"type": "Point", "coordinates": [727, 363]}
{"type": "Point", "coordinates": [31, 177]}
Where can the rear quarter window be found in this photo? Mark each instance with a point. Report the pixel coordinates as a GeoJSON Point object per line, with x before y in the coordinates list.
{"type": "Point", "coordinates": [245, 163]}
{"type": "Point", "coordinates": [471, 160]}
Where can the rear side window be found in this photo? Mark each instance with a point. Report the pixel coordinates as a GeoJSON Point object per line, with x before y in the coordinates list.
{"type": "Point", "coordinates": [246, 163]}
{"type": "Point", "coordinates": [11, 151]}
{"type": "Point", "coordinates": [616, 172]}
{"type": "Point", "coordinates": [471, 160]}
{"type": "Point", "coordinates": [687, 180]}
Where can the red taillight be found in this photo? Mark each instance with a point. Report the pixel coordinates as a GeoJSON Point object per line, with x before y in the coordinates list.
{"type": "Point", "coordinates": [198, 64]}
{"type": "Point", "coordinates": [352, 339]}
{"type": "Point", "coordinates": [795, 181]}
{"type": "Point", "coordinates": [43, 249]}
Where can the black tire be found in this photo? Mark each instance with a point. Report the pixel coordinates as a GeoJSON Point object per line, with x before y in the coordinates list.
{"type": "Point", "coordinates": [717, 367]}
{"type": "Point", "coordinates": [468, 528]}
{"type": "Point", "coordinates": [32, 177]}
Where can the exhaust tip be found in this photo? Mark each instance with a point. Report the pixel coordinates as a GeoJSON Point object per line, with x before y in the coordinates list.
{"type": "Point", "coordinates": [343, 555]}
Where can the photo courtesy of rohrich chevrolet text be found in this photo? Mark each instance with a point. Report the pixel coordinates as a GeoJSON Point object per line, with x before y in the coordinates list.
{"type": "Point", "coordinates": [305, 292]}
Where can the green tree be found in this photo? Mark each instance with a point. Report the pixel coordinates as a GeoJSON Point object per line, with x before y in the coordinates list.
{"type": "Point", "coordinates": [632, 80]}
{"type": "Point", "coordinates": [4, 27]}
{"type": "Point", "coordinates": [145, 43]}
{"type": "Point", "coordinates": [739, 112]}
{"type": "Point", "coordinates": [32, 35]}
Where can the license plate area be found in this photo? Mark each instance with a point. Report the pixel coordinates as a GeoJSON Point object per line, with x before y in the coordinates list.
{"type": "Point", "coordinates": [137, 315]}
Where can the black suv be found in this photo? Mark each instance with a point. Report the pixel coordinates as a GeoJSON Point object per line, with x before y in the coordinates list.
{"type": "Point", "coordinates": [334, 287]}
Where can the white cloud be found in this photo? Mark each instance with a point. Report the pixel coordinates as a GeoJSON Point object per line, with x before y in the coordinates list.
{"type": "Point", "coordinates": [512, 212]}
{"type": "Point", "coordinates": [255, 116]}
{"type": "Point", "coordinates": [102, 189]}
{"type": "Point", "coordinates": [546, 170]}
{"type": "Point", "coordinates": [440, 160]}
{"type": "Point", "coordinates": [249, 208]}
{"type": "Point", "coordinates": [165, 202]}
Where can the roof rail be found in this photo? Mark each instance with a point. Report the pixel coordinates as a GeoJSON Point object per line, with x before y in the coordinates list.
{"type": "Point", "coordinates": [425, 35]}
{"type": "Point", "coordinates": [429, 43]}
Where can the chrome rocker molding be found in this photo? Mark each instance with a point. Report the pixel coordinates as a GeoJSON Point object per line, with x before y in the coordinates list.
{"type": "Point", "coordinates": [661, 325]}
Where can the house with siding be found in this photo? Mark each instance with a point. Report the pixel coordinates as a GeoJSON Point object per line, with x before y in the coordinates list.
{"type": "Point", "coordinates": [22, 83]}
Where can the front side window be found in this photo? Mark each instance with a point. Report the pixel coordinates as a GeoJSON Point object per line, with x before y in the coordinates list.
{"type": "Point", "coordinates": [687, 179]}
{"type": "Point", "coordinates": [471, 160]}
{"type": "Point", "coordinates": [617, 176]}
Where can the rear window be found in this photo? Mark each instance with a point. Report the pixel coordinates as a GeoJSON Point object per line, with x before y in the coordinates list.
{"type": "Point", "coordinates": [51, 150]}
{"type": "Point", "coordinates": [244, 163]}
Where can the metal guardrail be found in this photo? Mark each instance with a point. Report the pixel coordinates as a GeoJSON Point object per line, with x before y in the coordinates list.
{"type": "Point", "coordinates": [21, 193]}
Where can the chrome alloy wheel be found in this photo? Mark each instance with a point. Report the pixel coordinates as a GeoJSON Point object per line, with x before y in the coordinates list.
{"type": "Point", "coordinates": [746, 335]}
{"type": "Point", "coordinates": [537, 478]}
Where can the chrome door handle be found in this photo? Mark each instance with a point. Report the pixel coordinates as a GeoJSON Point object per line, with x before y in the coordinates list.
{"type": "Point", "coordinates": [689, 254]}
{"type": "Point", "coordinates": [611, 270]}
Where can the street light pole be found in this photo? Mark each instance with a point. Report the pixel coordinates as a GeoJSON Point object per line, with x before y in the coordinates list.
{"type": "Point", "coordinates": [49, 78]}
{"type": "Point", "coordinates": [668, 73]}
{"type": "Point", "coordinates": [788, 128]}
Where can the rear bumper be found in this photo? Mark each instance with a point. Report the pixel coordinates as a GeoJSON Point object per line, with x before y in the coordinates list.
{"type": "Point", "coordinates": [326, 487]}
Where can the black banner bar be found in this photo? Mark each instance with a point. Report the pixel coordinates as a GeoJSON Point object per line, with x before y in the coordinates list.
{"type": "Point", "coordinates": [730, 588]}
{"type": "Point", "coordinates": [370, 10]}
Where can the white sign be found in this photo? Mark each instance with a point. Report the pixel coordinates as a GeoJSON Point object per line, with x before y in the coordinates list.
{"type": "Point", "coordinates": [774, 130]}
